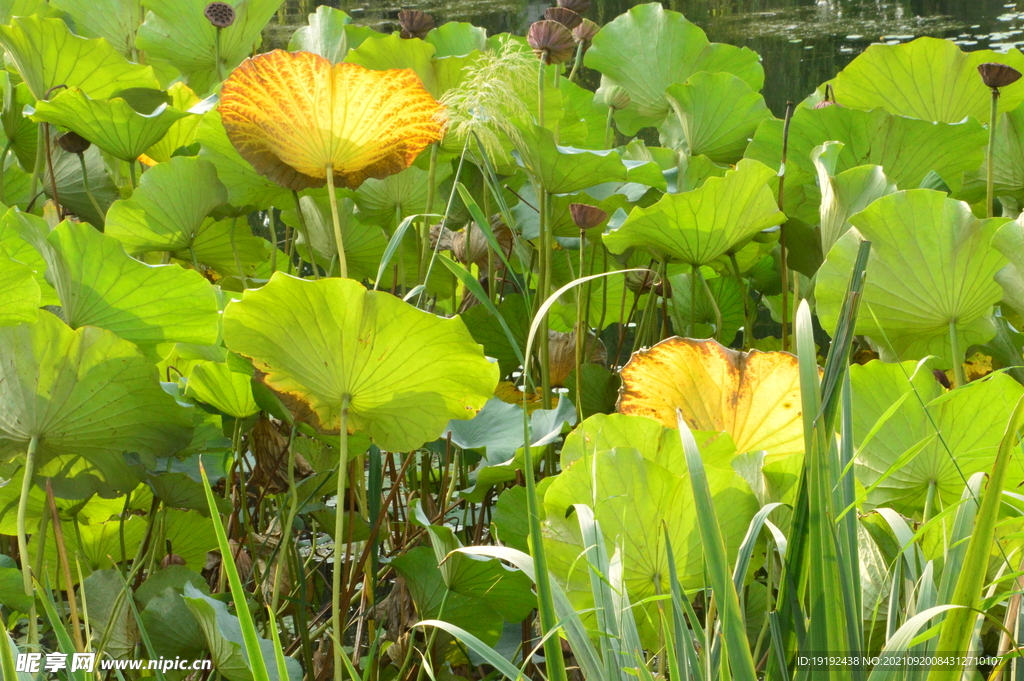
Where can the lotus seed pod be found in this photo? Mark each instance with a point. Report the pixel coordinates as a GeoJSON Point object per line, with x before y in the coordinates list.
{"type": "Point", "coordinates": [586, 31]}
{"type": "Point", "coordinates": [616, 97]}
{"type": "Point", "coordinates": [551, 41]}
{"type": "Point", "coordinates": [73, 143]}
{"type": "Point", "coordinates": [220, 14]}
{"type": "Point", "coordinates": [996, 75]}
{"type": "Point", "coordinates": [578, 6]}
{"type": "Point", "coordinates": [566, 17]}
{"type": "Point", "coordinates": [824, 104]}
{"type": "Point", "coordinates": [586, 216]}
{"type": "Point", "coordinates": [415, 24]}
{"type": "Point", "coordinates": [171, 559]}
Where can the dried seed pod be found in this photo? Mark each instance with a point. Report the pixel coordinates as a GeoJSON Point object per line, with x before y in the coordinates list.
{"type": "Point", "coordinates": [616, 97]}
{"type": "Point", "coordinates": [415, 24]}
{"type": "Point", "coordinates": [73, 143]}
{"type": "Point", "coordinates": [996, 75]}
{"type": "Point", "coordinates": [220, 14]}
{"type": "Point", "coordinates": [578, 6]}
{"type": "Point", "coordinates": [586, 216]}
{"type": "Point", "coordinates": [829, 99]}
{"type": "Point", "coordinates": [551, 41]}
{"type": "Point", "coordinates": [563, 15]}
{"type": "Point", "coordinates": [586, 31]}
{"type": "Point", "coordinates": [171, 558]}
{"type": "Point", "coordinates": [562, 354]}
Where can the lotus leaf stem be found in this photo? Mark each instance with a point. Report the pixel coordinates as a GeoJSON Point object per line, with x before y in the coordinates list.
{"type": "Point", "coordinates": [581, 329]}
{"type": "Point", "coordinates": [783, 260]}
{"type": "Point", "coordinates": [217, 57]}
{"type": "Point", "coordinates": [26, 570]}
{"type": "Point", "coordinates": [37, 166]}
{"type": "Point", "coordinates": [273, 235]}
{"type": "Point", "coordinates": [929, 502]}
{"type": "Point", "coordinates": [425, 250]}
{"type": "Point", "coordinates": [131, 175]}
{"type": "Point", "coordinates": [337, 222]}
{"type": "Point", "coordinates": [88, 190]}
{"type": "Point", "coordinates": [576, 61]}
{"type": "Point", "coordinates": [993, 121]}
{"type": "Point", "coordinates": [49, 166]}
{"type": "Point", "coordinates": [714, 303]}
{"type": "Point", "coordinates": [339, 533]}
{"type": "Point", "coordinates": [609, 129]}
{"type": "Point", "coordinates": [958, 359]}
{"type": "Point", "coordinates": [748, 326]}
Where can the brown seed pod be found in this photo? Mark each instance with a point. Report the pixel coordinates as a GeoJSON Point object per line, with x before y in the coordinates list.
{"type": "Point", "coordinates": [586, 31]}
{"type": "Point", "coordinates": [220, 14]}
{"type": "Point", "coordinates": [551, 41]}
{"type": "Point", "coordinates": [73, 143]}
{"type": "Point", "coordinates": [171, 559]}
{"type": "Point", "coordinates": [578, 6]}
{"type": "Point", "coordinates": [996, 75]}
{"type": "Point", "coordinates": [566, 17]}
{"type": "Point", "coordinates": [830, 99]}
{"type": "Point", "coordinates": [586, 216]}
{"type": "Point", "coordinates": [415, 24]}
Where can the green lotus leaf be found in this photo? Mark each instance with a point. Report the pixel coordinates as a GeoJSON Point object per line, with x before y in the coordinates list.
{"type": "Point", "coordinates": [456, 39]}
{"type": "Point", "coordinates": [169, 208]}
{"type": "Point", "coordinates": [15, 247]}
{"type": "Point", "coordinates": [1008, 169]}
{"type": "Point", "coordinates": [111, 125]}
{"type": "Point", "coordinates": [21, 299]}
{"type": "Point", "coordinates": [25, 8]}
{"type": "Point", "coordinates": [227, 245]}
{"type": "Point", "coordinates": [364, 244]}
{"type": "Point", "coordinates": [698, 226]}
{"type": "Point", "coordinates": [635, 500]}
{"type": "Point", "coordinates": [224, 640]}
{"type": "Point", "coordinates": [100, 285]}
{"type": "Point", "coordinates": [217, 385]}
{"type": "Point", "coordinates": [329, 33]}
{"type": "Point", "coordinates": [100, 592]}
{"type": "Point", "coordinates": [907, 149]}
{"type": "Point", "coordinates": [563, 170]}
{"type": "Point", "coordinates": [927, 78]}
{"type": "Point", "coordinates": [487, 330]}
{"type": "Point", "coordinates": [648, 48]}
{"type": "Point", "coordinates": [403, 372]}
{"type": "Point", "coordinates": [177, 33]}
{"type": "Point", "coordinates": [20, 131]}
{"type": "Point", "coordinates": [388, 201]}
{"type": "Point", "coordinates": [114, 20]}
{"type": "Point", "coordinates": [728, 297]}
{"type": "Point", "coordinates": [1009, 240]}
{"type": "Point", "coordinates": [381, 52]}
{"type": "Point", "coordinates": [845, 193]}
{"type": "Point", "coordinates": [182, 132]}
{"type": "Point", "coordinates": [244, 185]}
{"type": "Point", "coordinates": [88, 397]}
{"type": "Point", "coordinates": [433, 598]}
{"type": "Point", "coordinates": [47, 54]}
{"type": "Point", "coordinates": [932, 269]}
{"type": "Point", "coordinates": [172, 629]}
{"type": "Point", "coordinates": [969, 421]}
{"type": "Point", "coordinates": [715, 114]}
{"type": "Point", "coordinates": [509, 592]}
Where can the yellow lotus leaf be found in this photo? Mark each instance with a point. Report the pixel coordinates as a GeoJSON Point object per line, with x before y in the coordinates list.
{"type": "Point", "coordinates": [754, 396]}
{"type": "Point", "coordinates": [293, 114]}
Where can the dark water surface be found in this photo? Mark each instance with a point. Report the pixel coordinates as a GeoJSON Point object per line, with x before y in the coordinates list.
{"type": "Point", "coordinates": [801, 42]}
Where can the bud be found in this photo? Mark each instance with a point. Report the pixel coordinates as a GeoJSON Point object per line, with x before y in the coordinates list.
{"type": "Point", "coordinates": [996, 75]}
{"type": "Point", "coordinates": [415, 24]}
{"type": "Point", "coordinates": [586, 31]}
{"type": "Point", "coordinates": [578, 6]}
{"type": "Point", "coordinates": [566, 17]}
{"type": "Point", "coordinates": [551, 41]}
{"type": "Point", "coordinates": [220, 14]}
{"type": "Point", "coordinates": [616, 97]}
{"type": "Point", "coordinates": [586, 216]}
{"type": "Point", "coordinates": [73, 143]}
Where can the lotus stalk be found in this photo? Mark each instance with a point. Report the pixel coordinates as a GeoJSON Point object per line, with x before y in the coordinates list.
{"type": "Point", "coordinates": [74, 143]}
{"type": "Point", "coordinates": [783, 260]}
{"type": "Point", "coordinates": [342, 262]}
{"type": "Point", "coordinates": [339, 533]}
{"type": "Point", "coordinates": [995, 76]}
{"type": "Point", "coordinates": [26, 572]}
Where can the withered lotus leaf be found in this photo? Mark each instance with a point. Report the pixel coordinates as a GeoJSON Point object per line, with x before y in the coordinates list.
{"type": "Point", "coordinates": [754, 396]}
{"type": "Point", "coordinates": [293, 114]}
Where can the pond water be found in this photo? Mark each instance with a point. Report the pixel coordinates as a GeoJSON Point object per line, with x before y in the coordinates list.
{"type": "Point", "coordinates": [802, 42]}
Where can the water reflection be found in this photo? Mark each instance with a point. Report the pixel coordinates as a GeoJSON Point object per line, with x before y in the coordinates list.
{"type": "Point", "coordinates": [802, 42]}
